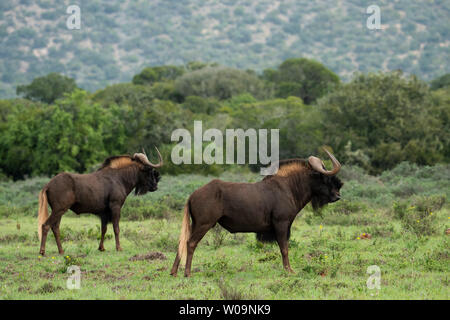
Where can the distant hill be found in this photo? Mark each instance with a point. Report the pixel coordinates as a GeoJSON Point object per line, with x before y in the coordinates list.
{"type": "Point", "coordinates": [118, 38]}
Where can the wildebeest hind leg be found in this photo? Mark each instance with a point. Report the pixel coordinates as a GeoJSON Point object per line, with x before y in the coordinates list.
{"type": "Point", "coordinates": [198, 232]}
{"type": "Point", "coordinates": [55, 229]}
{"type": "Point", "coordinates": [54, 218]}
{"type": "Point", "coordinates": [176, 263]}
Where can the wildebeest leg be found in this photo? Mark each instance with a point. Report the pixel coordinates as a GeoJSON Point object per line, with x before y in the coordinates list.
{"type": "Point", "coordinates": [281, 232]}
{"type": "Point", "coordinates": [104, 227]}
{"type": "Point", "coordinates": [55, 217]}
{"type": "Point", "coordinates": [45, 229]}
{"type": "Point", "coordinates": [55, 229]}
{"type": "Point", "coordinates": [176, 263]}
{"type": "Point", "coordinates": [115, 222]}
{"type": "Point", "coordinates": [198, 232]}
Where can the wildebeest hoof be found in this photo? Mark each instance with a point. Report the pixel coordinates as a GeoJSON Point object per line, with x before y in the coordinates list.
{"type": "Point", "coordinates": [119, 249]}
{"type": "Point", "coordinates": [290, 271]}
{"type": "Point", "coordinates": [101, 249]}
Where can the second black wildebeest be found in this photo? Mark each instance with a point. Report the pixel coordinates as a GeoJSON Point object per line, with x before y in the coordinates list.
{"type": "Point", "coordinates": [267, 207]}
{"type": "Point", "coordinates": [102, 193]}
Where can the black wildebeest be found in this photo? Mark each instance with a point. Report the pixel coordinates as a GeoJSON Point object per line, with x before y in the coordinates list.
{"type": "Point", "coordinates": [267, 207]}
{"type": "Point", "coordinates": [102, 193]}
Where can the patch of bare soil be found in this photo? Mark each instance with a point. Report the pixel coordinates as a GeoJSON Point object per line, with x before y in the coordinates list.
{"type": "Point", "coordinates": [149, 256]}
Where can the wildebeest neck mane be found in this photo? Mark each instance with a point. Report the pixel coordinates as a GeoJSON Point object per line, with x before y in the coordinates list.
{"type": "Point", "coordinates": [117, 162]}
{"type": "Point", "coordinates": [128, 168]}
{"type": "Point", "coordinates": [289, 168]}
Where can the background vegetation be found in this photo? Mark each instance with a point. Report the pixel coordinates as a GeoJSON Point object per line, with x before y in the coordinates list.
{"type": "Point", "coordinates": [375, 121]}
{"type": "Point", "coordinates": [119, 38]}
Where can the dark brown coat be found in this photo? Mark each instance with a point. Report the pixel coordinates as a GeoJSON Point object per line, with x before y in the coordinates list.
{"type": "Point", "coordinates": [102, 193]}
{"type": "Point", "coordinates": [267, 207]}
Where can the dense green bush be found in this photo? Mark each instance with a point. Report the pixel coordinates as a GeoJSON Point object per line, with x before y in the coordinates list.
{"type": "Point", "coordinates": [388, 117]}
{"type": "Point", "coordinates": [70, 135]}
{"type": "Point", "coordinates": [419, 216]}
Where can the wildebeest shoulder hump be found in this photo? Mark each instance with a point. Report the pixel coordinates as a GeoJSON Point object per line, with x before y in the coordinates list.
{"type": "Point", "coordinates": [117, 162]}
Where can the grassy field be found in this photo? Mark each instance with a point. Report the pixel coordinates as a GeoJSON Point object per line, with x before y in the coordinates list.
{"type": "Point", "coordinates": [404, 211]}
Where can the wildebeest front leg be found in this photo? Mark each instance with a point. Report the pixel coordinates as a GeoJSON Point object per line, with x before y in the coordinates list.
{"type": "Point", "coordinates": [115, 221]}
{"type": "Point", "coordinates": [104, 228]}
{"type": "Point", "coordinates": [281, 231]}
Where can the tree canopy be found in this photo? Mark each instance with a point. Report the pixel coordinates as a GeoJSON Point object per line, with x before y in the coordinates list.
{"type": "Point", "coordinates": [301, 77]}
{"type": "Point", "coordinates": [47, 88]}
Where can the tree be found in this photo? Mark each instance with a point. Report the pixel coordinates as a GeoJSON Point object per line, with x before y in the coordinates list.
{"type": "Point", "coordinates": [48, 88]}
{"type": "Point", "coordinates": [71, 135]}
{"type": "Point", "coordinates": [148, 118]}
{"type": "Point", "coordinates": [150, 75]}
{"type": "Point", "coordinates": [388, 118]}
{"type": "Point", "coordinates": [219, 82]}
{"type": "Point", "coordinates": [200, 105]}
{"type": "Point", "coordinates": [440, 82]}
{"type": "Point", "coordinates": [125, 94]}
{"type": "Point", "coordinates": [304, 78]}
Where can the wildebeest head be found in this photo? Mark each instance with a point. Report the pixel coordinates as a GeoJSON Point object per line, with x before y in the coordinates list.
{"type": "Point", "coordinates": [325, 185]}
{"type": "Point", "coordinates": [148, 177]}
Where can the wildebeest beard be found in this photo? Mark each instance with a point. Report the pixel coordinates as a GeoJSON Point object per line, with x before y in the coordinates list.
{"type": "Point", "coordinates": [147, 182]}
{"type": "Point", "coordinates": [141, 189]}
{"type": "Point", "coordinates": [318, 202]}
{"type": "Point", "coordinates": [323, 194]}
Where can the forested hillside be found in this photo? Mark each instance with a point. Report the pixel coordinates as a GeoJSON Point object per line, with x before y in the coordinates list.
{"type": "Point", "coordinates": [118, 38]}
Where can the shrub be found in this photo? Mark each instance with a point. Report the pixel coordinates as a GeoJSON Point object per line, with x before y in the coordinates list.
{"type": "Point", "coordinates": [219, 235]}
{"type": "Point", "coordinates": [229, 293]}
{"type": "Point", "coordinates": [418, 217]}
{"type": "Point", "coordinates": [347, 207]}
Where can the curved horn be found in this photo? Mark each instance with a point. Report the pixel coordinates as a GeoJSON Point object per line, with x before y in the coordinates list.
{"type": "Point", "coordinates": [143, 158]}
{"type": "Point", "coordinates": [318, 165]}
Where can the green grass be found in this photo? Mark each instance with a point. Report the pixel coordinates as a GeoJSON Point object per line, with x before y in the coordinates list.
{"type": "Point", "coordinates": [330, 261]}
